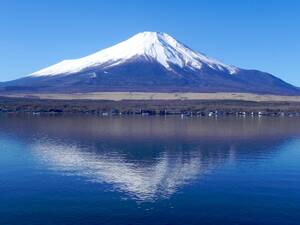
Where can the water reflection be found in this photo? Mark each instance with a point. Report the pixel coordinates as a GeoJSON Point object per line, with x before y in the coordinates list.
{"type": "Point", "coordinates": [141, 181]}
{"type": "Point", "coordinates": [148, 158]}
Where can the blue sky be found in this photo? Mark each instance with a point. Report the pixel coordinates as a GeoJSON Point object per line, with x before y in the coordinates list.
{"type": "Point", "coordinates": [251, 34]}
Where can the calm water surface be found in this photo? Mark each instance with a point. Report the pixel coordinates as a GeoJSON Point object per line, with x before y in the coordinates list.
{"type": "Point", "coordinates": [151, 170]}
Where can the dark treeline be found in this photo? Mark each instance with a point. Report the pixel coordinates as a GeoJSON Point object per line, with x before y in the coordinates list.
{"type": "Point", "coordinates": [148, 107]}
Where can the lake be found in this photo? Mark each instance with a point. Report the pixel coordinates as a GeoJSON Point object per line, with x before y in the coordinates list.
{"type": "Point", "coordinates": [69, 170]}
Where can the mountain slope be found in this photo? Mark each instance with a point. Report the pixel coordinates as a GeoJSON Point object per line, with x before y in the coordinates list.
{"type": "Point", "coordinates": [148, 61]}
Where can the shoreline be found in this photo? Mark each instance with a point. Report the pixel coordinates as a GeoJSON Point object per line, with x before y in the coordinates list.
{"type": "Point", "coordinates": [121, 96]}
{"type": "Point", "coordinates": [197, 108]}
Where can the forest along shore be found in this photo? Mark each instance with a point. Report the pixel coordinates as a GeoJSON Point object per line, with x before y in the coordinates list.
{"type": "Point", "coordinates": [36, 106]}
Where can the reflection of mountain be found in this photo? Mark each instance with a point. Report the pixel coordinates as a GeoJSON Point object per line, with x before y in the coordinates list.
{"type": "Point", "coordinates": [154, 128]}
{"type": "Point", "coordinates": [142, 180]}
{"type": "Point", "coordinates": [148, 158]}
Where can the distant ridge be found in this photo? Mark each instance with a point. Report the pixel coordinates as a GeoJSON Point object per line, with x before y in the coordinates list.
{"type": "Point", "coordinates": [148, 62]}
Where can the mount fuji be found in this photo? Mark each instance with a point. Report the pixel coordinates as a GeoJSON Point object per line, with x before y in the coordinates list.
{"type": "Point", "coordinates": [148, 62]}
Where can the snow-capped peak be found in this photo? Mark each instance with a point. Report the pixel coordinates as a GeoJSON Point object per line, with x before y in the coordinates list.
{"type": "Point", "coordinates": [153, 45]}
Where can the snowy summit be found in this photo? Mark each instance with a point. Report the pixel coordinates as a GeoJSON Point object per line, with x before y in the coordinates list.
{"type": "Point", "coordinates": [157, 46]}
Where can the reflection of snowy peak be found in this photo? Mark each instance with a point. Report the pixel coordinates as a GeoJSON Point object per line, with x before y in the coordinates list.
{"type": "Point", "coordinates": [159, 47]}
{"type": "Point", "coordinates": [161, 179]}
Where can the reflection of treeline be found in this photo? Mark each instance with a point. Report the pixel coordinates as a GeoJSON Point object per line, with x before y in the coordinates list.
{"type": "Point", "coordinates": [149, 107]}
